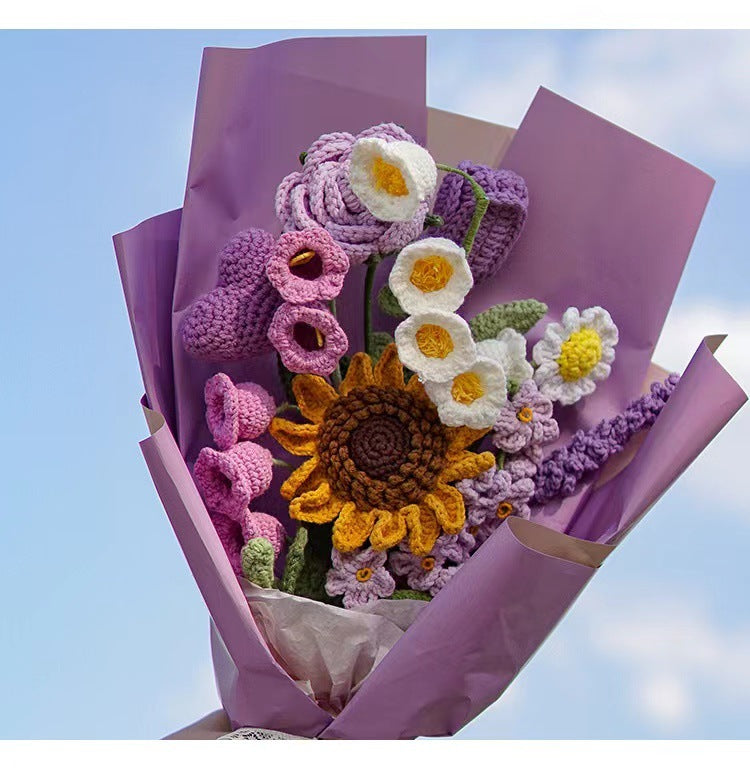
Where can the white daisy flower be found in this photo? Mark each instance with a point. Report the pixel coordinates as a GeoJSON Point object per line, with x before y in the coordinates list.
{"type": "Point", "coordinates": [391, 178]}
{"type": "Point", "coordinates": [575, 354]}
{"type": "Point", "coordinates": [430, 275]}
{"type": "Point", "coordinates": [473, 398]}
{"type": "Point", "coordinates": [435, 345]}
{"type": "Point", "coordinates": [508, 349]}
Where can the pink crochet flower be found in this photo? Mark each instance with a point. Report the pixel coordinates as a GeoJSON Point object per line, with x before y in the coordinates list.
{"type": "Point", "coordinates": [230, 534]}
{"type": "Point", "coordinates": [254, 525]}
{"type": "Point", "coordinates": [320, 195]}
{"type": "Point", "coordinates": [525, 420]}
{"type": "Point", "coordinates": [360, 577]}
{"type": "Point", "coordinates": [423, 573]}
{"type": "Point", "coordinates": [236, 412]}
{"type": "Point", "coordinates": [309, 339]}
{"type": "Point", "coordinates": [229, 480]}
{"type": "Point", "coordinates": [231, 322]}
{"type": "Point", "coordinates": [307, 266]}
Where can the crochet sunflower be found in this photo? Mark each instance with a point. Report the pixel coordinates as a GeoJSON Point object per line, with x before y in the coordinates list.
{"type": "Point", "coordinates": [380, 463]}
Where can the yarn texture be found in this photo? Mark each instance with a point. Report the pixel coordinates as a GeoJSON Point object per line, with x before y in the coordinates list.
{"type": "Point", "coordinates": [502, 224]}
{"type": "Point", "coordinates": [562, 471]}
{"type": "Point", "coordinates": [257, 562]}
{"type": "Point", "coordinates": [520, 315]}
{"type": "Point", "coordinates": [236, 412]}
{"type": "Point", "coordinates": [231, 322]}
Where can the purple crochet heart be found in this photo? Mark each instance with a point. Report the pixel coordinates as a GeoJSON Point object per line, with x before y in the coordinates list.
{"type": "Point", "coordinates": [231, 322]}
{"type": "Point", "coordinates": [502, 224]}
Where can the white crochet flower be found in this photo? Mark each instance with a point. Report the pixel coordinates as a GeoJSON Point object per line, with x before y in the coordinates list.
{"type": "Point", "coordinates": [435, 345]}
{"type": "Point", "coordinates": [430, 275]}
{"type": "Point", "coordinates": [391, 178]}
{"type": "Point", "coordinates": [473, 398]}
{"type": "Point", "coordinates": [575, 354]}
{"type": "Point", "coordinates": [508, 349]}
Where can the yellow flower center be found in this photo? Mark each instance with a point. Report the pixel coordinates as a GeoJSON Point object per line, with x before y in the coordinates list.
{"type": "Point", "coordinates": [428, 563]}
{"type": "Point", "coordinates": [434, 341]}
{"type": "Point", "coordinates": [579, 353]}
{"type": "Point", "coordinates": [364, 574]}
{"type": "Point", "coordinates": [386, 176]}
{"type": "Point", "coordinates": [467, 388]}
{"type": "Point", "coordinates": [431, 273]}
{"type": "Point", "coordinates": [504, 510]}
{"type": "Point", "coordinates": [525, 414]}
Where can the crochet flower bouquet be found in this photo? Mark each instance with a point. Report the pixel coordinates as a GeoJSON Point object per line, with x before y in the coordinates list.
{"type": "Point", "coordinates": [398, 379]}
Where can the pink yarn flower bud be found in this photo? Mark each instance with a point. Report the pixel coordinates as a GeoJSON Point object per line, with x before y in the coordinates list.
{"type": "Point", "coordinates": [256, 525]}
{"type": "Point", "coordinates": [307, 266]}
{"type": "Point", "coordinates": [309, 339]}
{"type": "Point", "coordinates": [236, 412]}
{"type": "Point", "coordinates": [230, 479]}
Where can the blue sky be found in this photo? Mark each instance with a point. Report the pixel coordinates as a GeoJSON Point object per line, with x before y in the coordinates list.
{"type": "Point", "coordinates": [103, 631]}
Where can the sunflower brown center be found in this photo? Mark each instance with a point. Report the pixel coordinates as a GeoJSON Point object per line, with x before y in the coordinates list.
{"type": "Point", "coordinates": [382, 447]}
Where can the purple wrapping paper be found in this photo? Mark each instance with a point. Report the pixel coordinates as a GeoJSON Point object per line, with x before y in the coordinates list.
{"type": "Point", "coordinates": [611, 222]}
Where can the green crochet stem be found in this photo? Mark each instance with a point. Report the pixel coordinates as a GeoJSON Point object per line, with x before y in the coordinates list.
{"type": "Point", "coordinates": [372, 265]}
{"type": "Point", "coordinates": [295, 561]}
{"type": "Point", "coordinates": [481, 204]}
{"type": "Point", "coordinates": [500, 459]}
{"type": "Point", "coordinates": [520, 315]}
{"type": "Point", "coordinates": [336, 376]}
{"type": "Point", "coordinates": [407, 593]}
{"type": "Point", "coordinates": [257, 562]}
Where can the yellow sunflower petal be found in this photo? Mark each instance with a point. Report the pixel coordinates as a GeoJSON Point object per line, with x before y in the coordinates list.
{"type": "Point", "coordinates": [416, 388]}
{"type": "Point", "coordinates": [352, 528]}
{"type": "Point", "coordinates": [389, 530]}
{"type": "Point", "coordinates": [296, 481]}
{"type": "Point", "coordinates": [314, 396]}
{"type": "Point", "coordinates": [389, 373]}
{"type": "Point", "coordinates": [461, 437]}
{"type": "Point", "coordinates": [359, 374]}
{"type": "Point", "coordinates": [448, 505]}
{"type": "Point", "coordinates": [423, 528]}
{"type": "Point", "coordinates": [466, 465]}
{"type": "Point", "coordinates": [318, 506]}
{"type": "Point", "coordinates": [297, 438]}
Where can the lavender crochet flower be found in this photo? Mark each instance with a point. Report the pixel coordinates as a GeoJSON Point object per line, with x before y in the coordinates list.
{"type": "Point", "coordinates": [307, 266]}
{"type": "Point", "coordinates": [423, 573]}
{"type": "Point", "coordinates": [309, 339]}
{"type": "Point", "coordinates": [320, 195]}
{"type": "Point", "coordinates": [562, 471]}
{"type": "Point", "coordinates": [525, 420]}
{"type": "Point", "coordinates": [359, 577]}
{"type": "Point", "coordinates": [455, 547]}
{"type": "Point", "coordinates": [524, 465]}
{"type": "Point", "coordinates": [501, 225]}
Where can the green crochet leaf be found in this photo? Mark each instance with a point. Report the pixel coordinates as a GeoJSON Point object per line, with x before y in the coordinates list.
{"type": "Point", "coordinates": [406, 593]}
{"type": "Point", "coordinates": [379, 341]}
{"type": "Point", "coordinates": [520, 315]}
{"type": "Point", "coordinates": [295, 561]}
{"type": "Point", "coordinates": [257, 562]}
{"type": "Point", "coordinates": [388, 303]}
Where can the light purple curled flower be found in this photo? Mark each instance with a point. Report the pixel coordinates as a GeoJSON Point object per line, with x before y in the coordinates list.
{"type": "Point", "coordinates": [307, 266]}
{"type": "Point", "coordinates": [319, 195]}
{"type": "Point", "coordinates": [524, 465]}
{"type": "Point", "coordinates": [456, 547]}
{"type": "Point", "coordinates": [308, 339]}
{"type": "Point", "coordinates": [423, 573]}
{"type": "Point", "coordinates": [526, 420]}
{"type": "Point", "coordinates": [359, 577]}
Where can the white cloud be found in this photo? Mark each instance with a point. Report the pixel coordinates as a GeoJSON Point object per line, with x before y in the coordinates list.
{"type": "Point", "coordinates": [665, 700]}
{"type": "Point", "coordinates": [683, 90]}
{"type": "Point", "coordinates": [722, 463]}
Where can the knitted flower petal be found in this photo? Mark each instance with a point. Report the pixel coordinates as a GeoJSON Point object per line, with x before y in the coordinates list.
{"type": "Point", "coordinates": [230, 534]}
{"type": "Point", "coordinates": [352, 528]}
{"type": "Point", "coordinates": [314, 396]}
{"type": "Point", "coordinates": [436, 345]}
{"type": "Point", "coordinates": [430, 275]}
{"type": "Point", "coordinates": [292, 486]}
{"type": "Point", "coordinates": [389, 530]}
{"type": "Point", "coordinates": [255, 524]}
{"type": "Point", "coordinates": [467, 465]}
{"type": "Point", "coordinates": [307, 266]}
{"type": "Point", "coordinates": [509, 350]}
{"type": "Point", "coordinates": [236, 412]}
{"type": "Point", "coordinates": [300, 439]}
{"type": "Point", "coordinates": [309, 339]}
{"type": "Point", "coordinates": [389, 372]}
{"type": "Point", "coordinates": [423, 528]}
{"type": "Point", "coordinates": [318, 506]}
{"type": "Point", "coordinates": [391, 179]}
{"type": "Point", "coordinates": [448, 505]}
{"type": "Point", "coordinates": [358, 375]}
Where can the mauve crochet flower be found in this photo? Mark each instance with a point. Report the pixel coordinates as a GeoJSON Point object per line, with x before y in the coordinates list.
{"type": "Point", "coordinates": [456, 547]}
{"type": "Point", "coordinates": [562, 471]}
{"type": "Point", "coordinates": [307, 266]}
{"type": "Point", "coordinates": [230, 534]}
{"type": "Point", "coordinates": [293, 333]}
{"type": "Point", "coordinates": [229, 480]}
{"type": "Point", "coordinates": [359, 577]}
{"type": "Point", "coordinates": [231, 322]}
{"type": "Point", "coordinates": [236, 412]}
{"type": "Point", "coordinates": [423, 573]}
{"type": "Point", "coordinates": [501, 225]}
{"type": "Point", "coordinates": [234, 534]}
{"type": "Point", "coordinates": [525, 420]}
{"type": "Point", "coordinates": [255, 525]}
{"type": "Point", "coordinates": [523, 465]}
{"type": "Point", "coordinates": [320, 195]}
